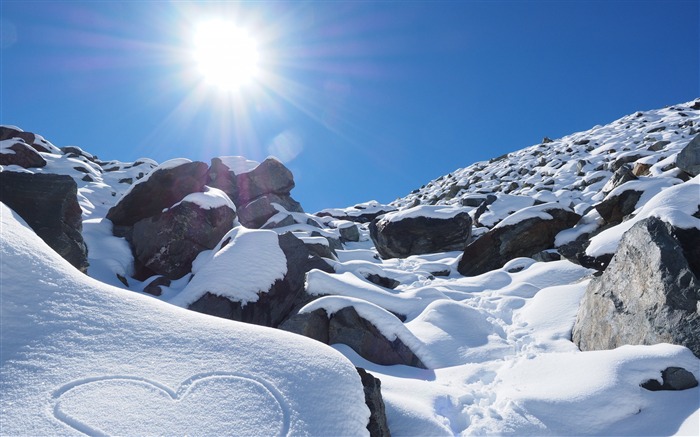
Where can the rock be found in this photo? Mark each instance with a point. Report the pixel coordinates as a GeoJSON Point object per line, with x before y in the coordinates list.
{"type": "Point", "coordinates": [313, 325]}
{"type": "Point", "coordinates": [162, 189]}
{"type": "Point", "coordinates": [7, 132]}
{"type": "Point", "coordinates": [658, 146]}
{"type": "Point", "coordinates": [382, 281]}
{"type": "Point", "coordinates": [349, 232]}
{"type": "Point", "coordinates": [524, 238]}
{"type": "Point", "coordinates": [282, 299]}
{"type": "Point", "coordinates": [688, 159]}
{"type": "Point", "coordinates": [648, 294]}
{"type": "Point", "coordinates": [613, 209]}
{"type": "Point", "coordinates": [377, 425]}
{"type": "Point", "coordinates": [621, 175]}
{"type": "Point", "coordinates": [256, 213]}
{"type": "Point", "coordinates": [674, 378]}
{"type": "Point", "coordinates": [641, 169]}
{"type": "Point", "coordinates": [347, 327]}
{"type": "Point", "coordinates": [154, 287]}
{"type": "Point", "coordinates": [166, 244]}
{"type": "Point", "coordinates": [400, 238]}
{"type": "Point", "coordinates": [22, 155]}
{"type": "Point", "coordinates": [49, 205]}
{"type": "Point", "coordinates": [619, 162]}
{"type": "Point", "coordinates": [268, 177]}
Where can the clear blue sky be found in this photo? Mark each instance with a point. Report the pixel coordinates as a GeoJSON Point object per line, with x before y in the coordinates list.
{"type": "Point", "coordinates": [366, 100]}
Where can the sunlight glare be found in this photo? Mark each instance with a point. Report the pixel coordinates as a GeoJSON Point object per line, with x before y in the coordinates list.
{"type": "Point", "coordinates": [226, 55]}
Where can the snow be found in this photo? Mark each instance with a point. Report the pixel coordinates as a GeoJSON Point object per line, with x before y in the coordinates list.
{"type": "Point", "coordinates": [435, 212]}
{"type": "Point", "coordinates": [211, 198]}
{"type": "Point", "coordinates": [238, 164]}
{"type": "Point", "coordinates": [537, 211]}
{"type": "Point", "coordinates": [87, 355]}
{"type": "Point", "coordinates": [82, 357]}
{"type": "Point", "coordinates": [233, 273]}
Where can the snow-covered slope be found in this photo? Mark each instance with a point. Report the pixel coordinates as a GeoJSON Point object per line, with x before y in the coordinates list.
{"type": "Point", "coordinates": [572, 169]}
{"type": "Point", "coordinates": [82, 357]}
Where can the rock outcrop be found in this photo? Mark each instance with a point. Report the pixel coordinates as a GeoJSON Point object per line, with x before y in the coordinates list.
{"type": "Point", "coordinates": [49, 205]}
{"type": "Point", "coordinates": [514, 238]}
{"type": "Point", "coordinates": [648, 294]}
{"type": "Point", "coordinates": [429, 231]}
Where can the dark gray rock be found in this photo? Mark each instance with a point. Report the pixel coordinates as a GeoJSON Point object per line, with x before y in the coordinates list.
{"type": "Point", "coordinates": [658, 146]}
{"type": "Point", "coordinates": [673, 378]}
{"type": "Point", "coordinates": [7, 132]}
{"type": "Point", "coordinates": [688, 159]}
{"type": "Point", "coordinates": [49, 205]}
{"type": "Point", "coordinates": [526, 238]}
{"type": "Point", "coordinates": [372, 386]}
{"type": "Point", "coordinates": [349, 232]}
{"type": "Point", "coordinates": [256, 213]}
{"type": "Point", "coordinates": [221, 177]}
{"type": "Point", "coordinates": [271, 176]}
{"type": "Point", "coordinates": [622, 175]}
{"type": "Point", "coordinates": [283, 298]}
{"type": "Point", "coordinates": [166, 244]}
{"type": "Point", "coordinates": [382, 281]}
{"type": "Point", "coordinates": [347, 327]}
{"type": "Point", "coordinates": [613, 209]}
{"type": "Point", "coordinates": [163, 189]}
{"type": "Point", "coordinates": [154, 287]}
{"type": "Point", "coordinates": [313, 325]}
{"type": "Point", "coordinates": [24, 156]}
{"type": "Point", "coordinates": [648, 294]}
{"type": "Point", "coordinates": [420, 235]}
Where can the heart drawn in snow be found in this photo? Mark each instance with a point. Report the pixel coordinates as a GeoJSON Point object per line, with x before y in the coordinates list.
{"type": "Point", "coordinates": [205, 404]}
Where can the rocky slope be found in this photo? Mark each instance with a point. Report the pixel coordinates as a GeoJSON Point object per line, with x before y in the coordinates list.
{"type": "Point", "coordinates": [466, 278]}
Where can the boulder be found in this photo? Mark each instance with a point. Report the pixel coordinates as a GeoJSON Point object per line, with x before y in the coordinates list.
{"type": "Point", "coordinates": [672, 378]}
{"type": "Point", "coordinates": [271, 176]}
{"type": "Point", "coordinates": [257, 212]}
{"type": "Point", "coordinates": [613, 209]}
{"type": "Point", "coordinates": [688, 159]}
{"type": "Point", "coordinates": [313, 324]}
{"type": "Point", "coordinates": [167, 243]}
{"type": "Point", "coordinates": [516, 238]}
{"type": "Point", "coordinates": [400, 236]}
{"type": "Point", "coordinates": [49, 205]}
{"type": "Point", "coordinates": [372, 386]}
{"type": "Point", "coordinates": [621, 175]}
{"type": "Point", "coordinates": [7, 132]}
{"type": "Point", "coordinates": [276, 304]}
{"type": "Point", "coordinates": [648, 294]}
{"type": "Point", "coordinates": [348, 327]}
{"type": "Point", "coordinates": [21, 154]}
{"type": "Point", "coordinates": [162, 189]}
{"type": "Point", "coordinates": [349, 232]}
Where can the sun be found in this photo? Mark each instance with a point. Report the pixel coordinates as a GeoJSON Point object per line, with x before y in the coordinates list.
{"type": "Point", "coordinates": [226, 55]}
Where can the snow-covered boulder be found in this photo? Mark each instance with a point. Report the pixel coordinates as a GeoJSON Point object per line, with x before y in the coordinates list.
{"type": "Point", "coordinates": [521, 234]}
{"type": "Point", "coordinates": [49, 204]}
{"type": "Point", "coordinates": [648, 294]}
{"type": "Point", "coordinates": [80, 357]}
{"type": "Point", "coordinates": [256, 213]}
{"type": "Point", "coordinates": [253, 276]}
{"type": "Point", "coordinates": [13, 152]}
{"type": "Point", "coordinates": [166, 185]}
{"type": "Point", "coordinates": [360, 213]}
{"type": "Point", "coordinates": [421, 230]}
{"type": "Point", "coordinates": [167, 243]}
{"type": "Point", "coordinates": [371, 331]}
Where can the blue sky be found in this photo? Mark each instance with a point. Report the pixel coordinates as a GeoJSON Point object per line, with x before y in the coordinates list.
{"type": "Point", "coordinates": [363, 100]}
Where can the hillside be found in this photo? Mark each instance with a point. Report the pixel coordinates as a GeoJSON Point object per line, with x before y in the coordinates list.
{"type": "Point", "coordinates": [551, 291]}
